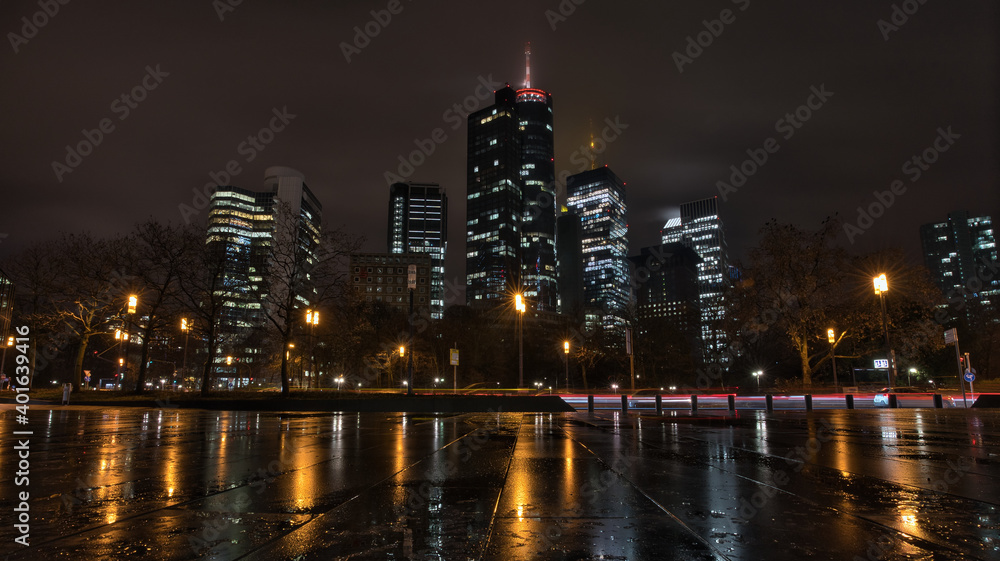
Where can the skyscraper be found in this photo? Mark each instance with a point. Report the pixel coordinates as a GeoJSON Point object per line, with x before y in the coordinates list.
{"type": "Point", "coordinates": [511, 211]}
{"type": "Point", "coordinates": [700, 228]}
{"type": "Point", "coordinates": [418, 223]}
{"type": "Point", "coordinates": [568, 238]}
{"type": "Point", "coordinates": [494, 202]}
{"type": "Point", "coordinates": [597, 196]}
{"type": "Point", "coordinates": [666, 287]}
{"type": "Point", "coordinates": [958, 253]}
{"type": "Point", "coordinates": [244, 226]}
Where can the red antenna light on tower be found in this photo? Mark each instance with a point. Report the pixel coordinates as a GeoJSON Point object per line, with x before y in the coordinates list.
{"type": "Point", "coordinates": [527, 64]}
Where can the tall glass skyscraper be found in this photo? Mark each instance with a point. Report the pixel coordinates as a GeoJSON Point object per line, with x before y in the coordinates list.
{"type": "Point", "coordinates": [958, 253]}
{"type": "Point", "coordinates": [418, 223]}
{"type": "Point", "coordinates": [511, 210]}
{"type": "Point", "coordinates": [597, 196]}
{"type": "Point", "coordinates": [700, 228]}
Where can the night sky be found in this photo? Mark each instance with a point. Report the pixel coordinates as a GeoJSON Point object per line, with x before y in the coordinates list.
{"type": "Point", "coordinates": [217, 82]}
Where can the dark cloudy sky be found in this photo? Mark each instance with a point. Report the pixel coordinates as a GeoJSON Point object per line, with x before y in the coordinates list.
{"type": "Point", "coordinates": [606, 60]}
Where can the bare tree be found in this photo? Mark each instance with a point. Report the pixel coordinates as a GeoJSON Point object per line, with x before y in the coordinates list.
{"type": "Point", "coordinates": [89, 290]}
{"type": "Point", "coordinates": [205, 288]}
{"type": "Point", "coordinates": [162, 253]}
{"type": "Point", "coordinates": [302, 267]}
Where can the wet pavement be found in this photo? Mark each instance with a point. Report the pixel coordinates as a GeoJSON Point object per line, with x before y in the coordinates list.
{"type": "Point", "coordinates": [184, 484]}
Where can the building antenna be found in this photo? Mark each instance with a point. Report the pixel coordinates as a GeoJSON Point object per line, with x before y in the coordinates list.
{"type": "Point", "coordinates": [593, 155]}
{"type": "Point", "coordinates": [527, 64]}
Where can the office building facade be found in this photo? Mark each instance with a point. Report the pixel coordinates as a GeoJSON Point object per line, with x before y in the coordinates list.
{"type": "Point", "coordinates": [494, 203]}
{"type": "Point", "coordinates": [381, 279]}
{"type": "Point", "coordinates": [700, 228]}
{"type": "Point", "coordinates": [666, 287]}
{"type": "Point", "coordinates": [597, 196]}
{"type": "Point", "coordinates": [961, 254]}
{"type": "Point", "coordinates": [418, 223]}
{"type": "Point", "coordinates": [245, 226]}
{"type": "Point", "coordinates": [538, 221]}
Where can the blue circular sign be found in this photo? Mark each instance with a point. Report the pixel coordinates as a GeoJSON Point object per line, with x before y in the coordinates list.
{"type": "Point", "coordinates": [970, 376]}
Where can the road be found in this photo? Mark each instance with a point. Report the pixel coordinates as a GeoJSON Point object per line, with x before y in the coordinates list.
{"type": "Point", "coordinates": [170, 484]}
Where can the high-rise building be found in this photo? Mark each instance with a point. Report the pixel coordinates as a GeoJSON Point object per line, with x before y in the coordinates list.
{"type": "Point", "coordinates": [958, 253]}
{"type": "Point", "coordinates": [418, 223]}
{"type": "Point", "coordinates": [569, 248]}
{"type": "Point", "coordinates": [666, 287]}
{"type": "Point", "coordinates": [245, 225]}
{"type": "Point", "coordinates": [511, 211]}
{"type": "Point", "coordinates": [700, 228]}
{"type": "Point", "coordinates": [597, 196]}
{"type": "Point", "coordinates": [494, 202]}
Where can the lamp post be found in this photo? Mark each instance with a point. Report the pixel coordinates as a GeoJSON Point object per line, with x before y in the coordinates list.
{"type": "Point", "coordinates": [8, 343]}
{"type": "Point", "coordinates": [122, 337]}
{"type": "Point", "coordinates": [908, 373]}
{"type": "Point", "coordinates": [402, 353]}
{"type": "Point", "coordinates": [831, 336]}
{"type": "Point", "coordinates": [187, 331]}
{"type": "Point", "coordinates": [881, 287]}
{"type": "Point", "coordinates": [411, 285]}
{"type": "Point", "coordinates": [133, 301]}
{"type": "Point", "coordinates": [519, 306]}
{"type": "Point", "coordinates": [312, 320]}
{"type": "Point", "coordinates": [566, 360]}
{"type": "Point", "coordinates": [757, 375]}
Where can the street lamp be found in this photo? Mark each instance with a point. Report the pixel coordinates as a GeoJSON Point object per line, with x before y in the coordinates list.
{"type": "Point", "coordinates": [566, 360]}
{"type": "Point", "coordinates": [881, 287]}
{"type": "Point", "coordinates": [312, 319]}
{"type": "Point", "coordinates": [519, 306]}
{"type": "Point", "coordinates": [10, 343]}
{"type": "Point", "coordinates": [133, 302]}
{"type": "Point", "coordinates": [614, 387]}
{"type": "Point", "coordinates": [831, 336]}
{"type": "Point", "coordinates": [187, 331]}
{"type": "Point", "coordinates": [757, 375]}
{"type": "Point", "coordinates": [402, 363]}
{"type": "Point", "coordinates": [908, 373]}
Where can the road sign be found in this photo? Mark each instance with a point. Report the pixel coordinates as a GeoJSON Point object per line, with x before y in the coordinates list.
{"type": "Point", "coordinates": [454, 357]}
{"type": "Point", "coordinates": [881, 363]}
{"type": "Point", "coordinates": [970, 376]}
{"type": "Point", "coordinates": [950, 336]}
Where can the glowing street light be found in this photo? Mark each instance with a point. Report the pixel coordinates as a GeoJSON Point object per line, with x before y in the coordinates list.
{"type": "Point", "coordinates": [757, 375]}
{"type": "Point", "coordinates": [132, 301]}
{"type": "Point", "coordinates": [187, 331]}
{"type": "Point", "coordinates": [312, 320]}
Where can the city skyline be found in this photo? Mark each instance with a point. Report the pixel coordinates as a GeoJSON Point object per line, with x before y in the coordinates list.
{"type": "Point", "coordinates": [171, 115]}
